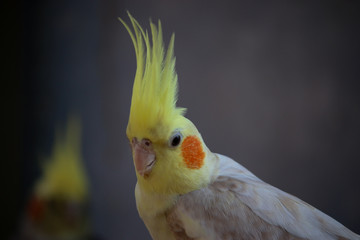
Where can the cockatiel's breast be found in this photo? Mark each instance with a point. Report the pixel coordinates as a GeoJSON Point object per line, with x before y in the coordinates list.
{"type": "Point", "coordinates": [151, 208]}
{"type": "Point", "coordinates": [238, 205]}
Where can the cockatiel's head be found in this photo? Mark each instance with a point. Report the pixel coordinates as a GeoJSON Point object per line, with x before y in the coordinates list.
{"type": "Point", "coordinates": [58, 207]}
{"type": "Point", "coordinates": [168, 151]}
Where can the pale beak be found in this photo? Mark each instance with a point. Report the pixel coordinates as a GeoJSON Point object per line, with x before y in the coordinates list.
{"type": "Point", "coordinates": [144, 156]}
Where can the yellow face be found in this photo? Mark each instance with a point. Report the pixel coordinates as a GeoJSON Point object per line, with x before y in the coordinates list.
{"type": "Point", "coordinates": [169, 159]}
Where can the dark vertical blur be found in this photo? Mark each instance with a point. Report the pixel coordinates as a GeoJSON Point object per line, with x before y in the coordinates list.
{"type": "Point", "coordinates": [11, 114]}
{"type": "Point", "coordinates": [272, 85]}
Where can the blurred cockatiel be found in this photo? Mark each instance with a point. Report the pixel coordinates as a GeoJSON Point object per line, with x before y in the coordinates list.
{"type": "Point", "coordinates": [184, 191]}
{"type": "Point", "coordinates": [57, 209]}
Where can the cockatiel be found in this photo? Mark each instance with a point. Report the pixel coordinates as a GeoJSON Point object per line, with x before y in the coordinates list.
{"type": "Point", "coordinates": [58, 207]}
{"type": "Point", "coordinates": [183, 190]}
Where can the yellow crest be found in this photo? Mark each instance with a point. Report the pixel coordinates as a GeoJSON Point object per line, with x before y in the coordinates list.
{"type": "Point", "coordinates": [153, 103]}
{"type": "Point", "coordinates": [63, 174]}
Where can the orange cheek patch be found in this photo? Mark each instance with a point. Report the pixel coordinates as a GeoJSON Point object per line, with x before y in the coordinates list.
{"type": "Point", "coordinates": [36, 209]}
{"type": "Point", "coordinates": [192, 152]}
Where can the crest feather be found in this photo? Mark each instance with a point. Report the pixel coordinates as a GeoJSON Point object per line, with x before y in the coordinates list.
{"type": "Point", "coordinates": [64, 173]}
{"type": "Point", "coordinates": [154, 96]}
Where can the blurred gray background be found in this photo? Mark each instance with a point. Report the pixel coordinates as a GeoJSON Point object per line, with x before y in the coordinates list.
{"type": "Point", "coordinates": [273, 85]}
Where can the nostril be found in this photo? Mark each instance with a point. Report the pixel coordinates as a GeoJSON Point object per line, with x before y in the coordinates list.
{"type": "Point", "coordinates": [147, 142]}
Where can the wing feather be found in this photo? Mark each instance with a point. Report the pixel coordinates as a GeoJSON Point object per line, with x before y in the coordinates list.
{"type": "Point", "coordinates": [238, 205]}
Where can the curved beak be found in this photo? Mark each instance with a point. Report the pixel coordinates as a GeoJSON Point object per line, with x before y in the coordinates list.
{"type": "Point", "coordinates": [144, 156]}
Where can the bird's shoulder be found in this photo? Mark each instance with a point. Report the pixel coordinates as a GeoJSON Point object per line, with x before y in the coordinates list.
{"type": "Point", "coordinates": [238, 205]}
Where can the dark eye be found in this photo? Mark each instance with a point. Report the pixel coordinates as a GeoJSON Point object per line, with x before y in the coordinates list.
{"type": "Point", "coordinates": [175, 140]}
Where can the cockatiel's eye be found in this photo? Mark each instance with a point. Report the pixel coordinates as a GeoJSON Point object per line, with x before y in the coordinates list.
{"type": "Point", "coordinates": [175, 139]}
